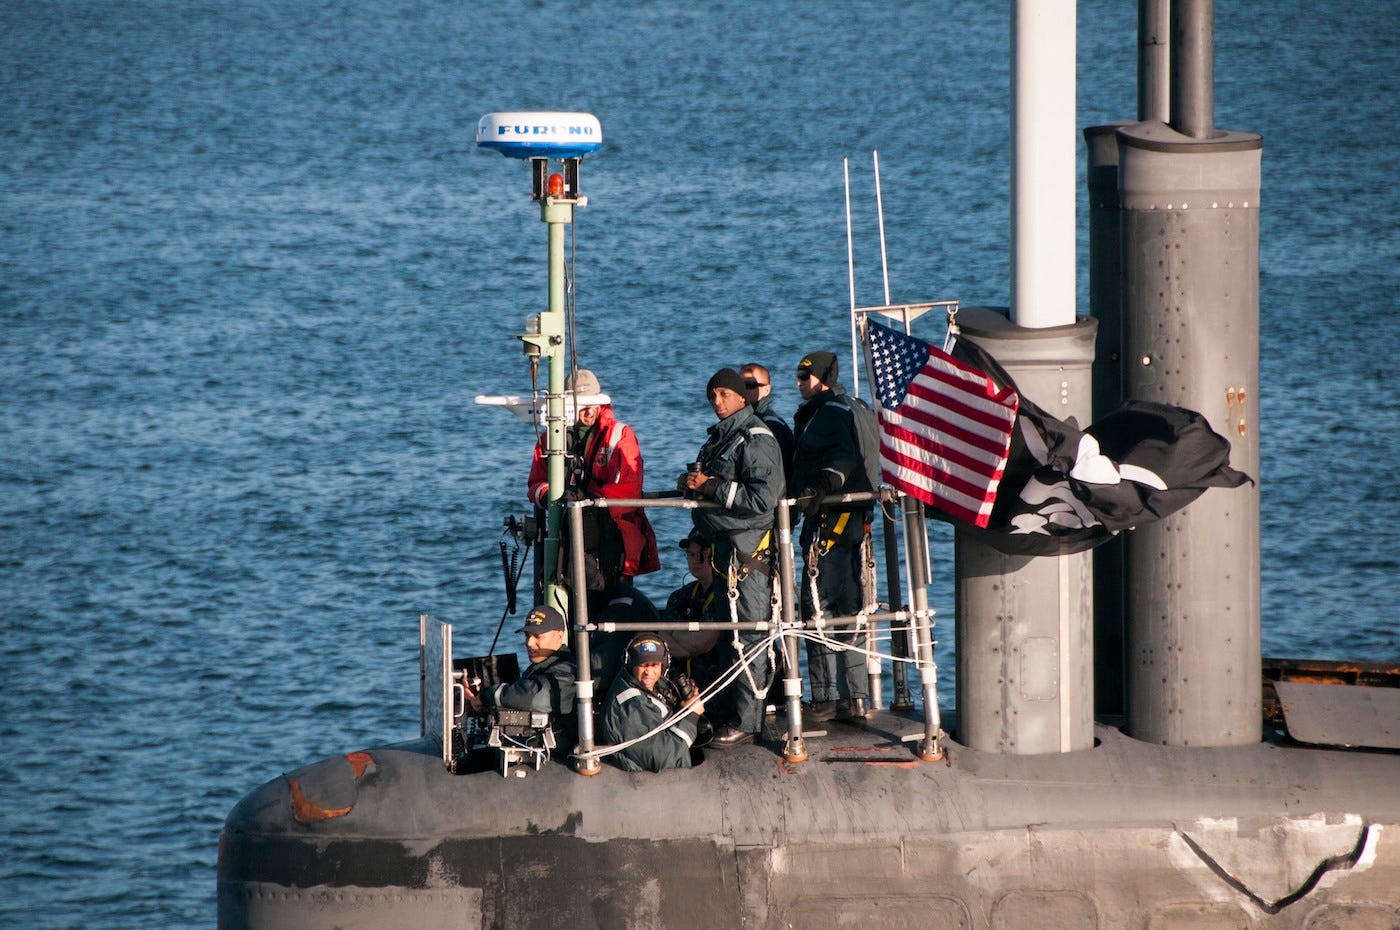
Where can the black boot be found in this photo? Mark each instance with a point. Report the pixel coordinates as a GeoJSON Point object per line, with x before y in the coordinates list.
{"type": "Point", "coordinates": [851, 709]}
{"type": "Point", "coordinates": [729, 737]}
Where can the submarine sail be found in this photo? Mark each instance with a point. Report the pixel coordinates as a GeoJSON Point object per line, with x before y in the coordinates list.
{"type": "Point", "coordinates": [1223, 795]}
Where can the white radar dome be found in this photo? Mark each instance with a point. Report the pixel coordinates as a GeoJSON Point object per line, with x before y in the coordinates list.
{"type": "Point", "coordinates": [540, 135]}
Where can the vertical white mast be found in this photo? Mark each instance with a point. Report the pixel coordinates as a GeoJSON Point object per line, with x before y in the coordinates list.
{"type": "Point", "coordinates": [880, 211]}
{"type": "Point", "coordinates": [851, 279]}
{"type": "Point", "coordinates": [1043, 139]}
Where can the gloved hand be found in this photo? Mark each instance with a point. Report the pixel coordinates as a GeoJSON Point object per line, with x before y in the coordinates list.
{"type": "Point", "coordinates": [823, 483]}
{"type": "Point", "coordinates": [809, 501]}
{"type": "Point", "coordinates": [707, 490]}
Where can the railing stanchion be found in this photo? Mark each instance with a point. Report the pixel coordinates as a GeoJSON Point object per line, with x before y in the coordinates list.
{"type": "Point", "coordinates": [916, 555]}
{"type": "Point", "coordinates": [586, 765]}
{"type": "Point", "coordinates": [899, 638]}
{"type": "Point", "coordinates": [795, 749]}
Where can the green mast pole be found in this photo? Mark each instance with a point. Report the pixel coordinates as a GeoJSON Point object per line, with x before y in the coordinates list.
{"type": "Point", "coordinates": [563, 138]}
{"type": "Point", "coordinates": [556, 213]}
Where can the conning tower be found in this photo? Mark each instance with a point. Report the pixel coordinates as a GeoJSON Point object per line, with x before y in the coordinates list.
{"type": "Point", "coordinates": [1174, 282]}
{"type": "Point", "coordinates": [1174, 298]}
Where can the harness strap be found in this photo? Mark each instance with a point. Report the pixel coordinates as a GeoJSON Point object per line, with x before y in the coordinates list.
{"type": "Point", "coordinates": [812, 572]}
{"type": "Point", "coordinates": [735, 575]}
{"type": "Point", "coordinates": [756, 560]}
{"type": "Point", "coordinates": [829, 542]}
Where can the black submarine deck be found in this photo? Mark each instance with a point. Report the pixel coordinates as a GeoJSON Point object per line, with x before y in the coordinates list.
{"type": "Point", "coordinates": [1275, 834]}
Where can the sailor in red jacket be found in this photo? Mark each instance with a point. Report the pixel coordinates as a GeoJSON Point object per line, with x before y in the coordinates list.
{"type": "Point", "coordinates": [604, 460]}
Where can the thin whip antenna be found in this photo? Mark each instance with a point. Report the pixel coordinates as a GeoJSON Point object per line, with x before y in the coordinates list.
{"type": "Point", "coordinates": [851, 277]}
{"type": "Point", "coordinates": [880, 210]}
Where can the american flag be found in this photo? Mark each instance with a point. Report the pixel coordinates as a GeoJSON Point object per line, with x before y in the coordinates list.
{"type": "Point", "coordinates": [945, 426]}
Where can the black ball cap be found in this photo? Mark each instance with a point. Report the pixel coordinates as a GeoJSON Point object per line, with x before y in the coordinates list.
{"type": "Point", "coordinates": [543, 619]}
{"type": "Point", "coordinates": [822, 366]}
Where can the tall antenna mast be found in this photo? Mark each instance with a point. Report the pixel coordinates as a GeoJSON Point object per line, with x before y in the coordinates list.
{"type": "Point", "coordinates": [549, 140]}
{"type": "Point", "coordinates": [851, 277]}
{"type": "Point", "coordinates": [880, 211]}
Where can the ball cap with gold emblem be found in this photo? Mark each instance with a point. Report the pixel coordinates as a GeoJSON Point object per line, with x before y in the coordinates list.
{"type": "Point", "coordinates": [543, 619]}
{"type": "Point", "coordinates": [822, 366]}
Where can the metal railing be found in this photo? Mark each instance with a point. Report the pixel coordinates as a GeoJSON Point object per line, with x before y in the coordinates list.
{"type": "Point", "coordinates": [791, 627]}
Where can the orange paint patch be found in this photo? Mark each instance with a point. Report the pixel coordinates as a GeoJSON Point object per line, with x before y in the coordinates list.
{"type": "Point", "coordinates": [308, 811]}
{"type": "Point", "coordinates": [894, 765]}
{"type": "Point", "coordinates": [359, 761]}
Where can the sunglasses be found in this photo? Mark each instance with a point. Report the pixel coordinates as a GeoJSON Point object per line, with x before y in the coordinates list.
{"type": "Point", "coordinates": [751, 383]}
{"type": "Point", "coordinates": [803, 375]}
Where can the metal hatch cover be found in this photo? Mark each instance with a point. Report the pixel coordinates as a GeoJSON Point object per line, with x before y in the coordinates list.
{"type": "Point", "coordinates": [1341, 715]}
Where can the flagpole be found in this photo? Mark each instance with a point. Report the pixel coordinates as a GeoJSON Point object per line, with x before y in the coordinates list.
{"type": "Point", "coordinates": [851, 277]}
{"type": "Point", "coordinates": [884, 260]}
{"type": "Point", "coordinates": [880, 213]}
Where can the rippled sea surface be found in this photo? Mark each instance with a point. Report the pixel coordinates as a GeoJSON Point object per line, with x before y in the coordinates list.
{"type": "Point", "coordinates": [253, 272]}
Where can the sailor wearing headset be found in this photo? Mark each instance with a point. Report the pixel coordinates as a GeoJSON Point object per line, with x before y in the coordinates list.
{"type": "Point", "coordinates": [641, 700]}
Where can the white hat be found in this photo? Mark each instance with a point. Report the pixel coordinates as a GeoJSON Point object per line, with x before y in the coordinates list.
{"type": "Point", "coordinates": [583, 381]}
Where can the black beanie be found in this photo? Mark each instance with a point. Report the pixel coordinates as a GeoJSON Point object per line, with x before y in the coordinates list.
{"type": "Point", "coordinates": [822, 366]}
{"type": "Point", "coordinates": [727, 378]}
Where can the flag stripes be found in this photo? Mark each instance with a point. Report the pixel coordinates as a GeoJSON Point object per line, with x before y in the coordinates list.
{"type": "Point", "coordinates": [945, 426]}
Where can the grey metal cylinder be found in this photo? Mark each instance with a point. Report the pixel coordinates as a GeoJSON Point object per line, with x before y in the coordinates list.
{"type": "Point", "coordinates": [1154, 60]}
{"type": "Point", "coordinates": [1024, 625]}
{"type": "Point", "coordinates": [1193, 67]}
{"type": "Point", "coordinates": [1106, 306]}
{"type": "Point", "coordinates": [1105, 265]}
{"type": "Point", "coordinates": [1190, 266]}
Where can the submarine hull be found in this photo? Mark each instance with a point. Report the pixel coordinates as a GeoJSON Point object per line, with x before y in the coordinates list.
{"type": "Point", "coordinates": [1124, 834]}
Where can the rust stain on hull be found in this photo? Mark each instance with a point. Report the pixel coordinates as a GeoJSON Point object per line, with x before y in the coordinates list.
{"type": "Point", "coordinates": [308, 811]}
{"type": "Point", "coordinates": [359, 761]}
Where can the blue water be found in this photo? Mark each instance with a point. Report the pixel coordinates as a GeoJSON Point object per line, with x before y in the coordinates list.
{"type": "Point", "coordinates": [253, 272]}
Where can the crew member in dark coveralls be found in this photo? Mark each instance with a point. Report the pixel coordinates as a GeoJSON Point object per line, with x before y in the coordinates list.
{"type": "Point", "coordinates": [740, 467]}
{"type": "Point", "coordinates": [694, 651]}
{"type": "Point", "coordinates": [828, 460]}
{"type": "Point", "coordinates": [691, 602]}
{"type": "Point", "coordinates": [624, 602]}
{"type": "Point", "coordinates": [758, 391]}
{"type": "Point", "coordinates": [640, 700]}
{"type": "Point", "coordinates": [547, 685]}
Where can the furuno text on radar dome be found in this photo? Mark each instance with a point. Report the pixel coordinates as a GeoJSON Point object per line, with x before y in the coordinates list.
{"type": "Point", "coordinates": [540, 135]}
